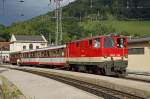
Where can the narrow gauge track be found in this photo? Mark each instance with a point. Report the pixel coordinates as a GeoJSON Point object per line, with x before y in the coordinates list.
{"type": "Point", "coordinates": [94, 89]}
{"type": "Point", "coordinates": [140, 73]}
{"type": "Point", "coordinates": [138, 79]}
{"type": "Point", "coordinates": [128, 77]}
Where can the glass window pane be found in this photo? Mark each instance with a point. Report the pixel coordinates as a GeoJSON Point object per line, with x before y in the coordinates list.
{"type": "Point", "coordinates": [97, 43]}
{"type": "Point", "coordinates": [108, 42]}
{"type": "Point", "coordinates": [136, 51]}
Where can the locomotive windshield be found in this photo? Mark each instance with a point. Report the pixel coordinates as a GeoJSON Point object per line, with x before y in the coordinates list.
{"type": "Point", "coordinates": [108, 42]}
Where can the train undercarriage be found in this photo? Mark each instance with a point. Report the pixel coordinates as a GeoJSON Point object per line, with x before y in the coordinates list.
{"type": "Point", "coordinates": [110, 68]}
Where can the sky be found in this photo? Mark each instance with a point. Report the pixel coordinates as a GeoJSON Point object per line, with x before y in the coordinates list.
{"type": "Point", "coordinates": [14, 10]}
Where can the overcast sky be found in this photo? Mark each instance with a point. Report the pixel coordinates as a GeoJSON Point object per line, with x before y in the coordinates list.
{"type": "Point", "coordinates": [14, 10]}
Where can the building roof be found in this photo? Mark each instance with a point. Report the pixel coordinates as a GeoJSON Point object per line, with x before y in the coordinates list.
{"type": "Point", "coordinates": [4, 46]}
{"type": "Point", "coordinates": [28, 38]}
{"type": "Point", "coordinates": [2, 39]}
{"type": "Point", "coordinates": [139, 40]}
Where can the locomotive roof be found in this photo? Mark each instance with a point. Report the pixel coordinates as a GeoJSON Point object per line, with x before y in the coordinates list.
{"type": "Point", "coordinates": [93, 37]}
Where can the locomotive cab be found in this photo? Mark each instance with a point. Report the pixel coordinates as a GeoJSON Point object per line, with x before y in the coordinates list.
{"type": "Point", "coordinates": [101, 54]}
{"type": "Point", "coordinates": [115, 52]}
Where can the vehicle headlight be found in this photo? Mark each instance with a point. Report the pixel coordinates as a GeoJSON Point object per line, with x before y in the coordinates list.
{"type": "Point", "coordinates": [105, 56]}
{"type": "Point", "coordinates": [126, 56]}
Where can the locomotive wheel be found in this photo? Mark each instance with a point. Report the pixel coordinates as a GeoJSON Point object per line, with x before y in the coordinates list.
{"type": "Point", "coordinates": [98, 71]}
{"type": "Point", "coordinates": [72, 68]}
{"type": "Point", "coordinates": [122, 74]}
{"type": "Point", "coordinates": [103, 71]}
{"type": "Point", "coordinates": [90, 71]}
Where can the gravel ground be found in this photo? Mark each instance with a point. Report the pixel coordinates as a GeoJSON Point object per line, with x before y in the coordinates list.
{"type": "Point", "coordinates": [37, 87]}
{"type": "Point", "coordinates": [113, 80]}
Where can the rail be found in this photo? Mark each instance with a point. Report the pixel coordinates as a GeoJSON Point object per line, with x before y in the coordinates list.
{"type": "Point", "coordinates": [101, 91]}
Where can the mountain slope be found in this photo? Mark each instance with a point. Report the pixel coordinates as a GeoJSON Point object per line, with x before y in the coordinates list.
{"type": "Point", "coordinates": [81, 19]}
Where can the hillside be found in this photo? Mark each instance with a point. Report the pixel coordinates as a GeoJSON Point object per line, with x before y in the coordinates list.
{"type": "Point", "coordinates": [80, 19]}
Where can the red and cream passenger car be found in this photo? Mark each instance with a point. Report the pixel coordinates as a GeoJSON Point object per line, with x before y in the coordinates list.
{"type": "Point", "coordinates": [102, 54]}
{"type": "Point", "coordinates": [53, 56]}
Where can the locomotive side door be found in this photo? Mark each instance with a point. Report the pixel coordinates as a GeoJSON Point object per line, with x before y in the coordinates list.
{"type": "Point", "coordinates": [83, 48]}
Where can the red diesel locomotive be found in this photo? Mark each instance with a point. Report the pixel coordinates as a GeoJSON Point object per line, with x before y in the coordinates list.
{"type": "Point", "coordinates": [107, 55]}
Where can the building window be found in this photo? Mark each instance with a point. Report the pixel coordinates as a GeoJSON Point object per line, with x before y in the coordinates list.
{"type": "Point", "coordinates": [42, 44]}
{"type": "Point", "coordinates": [24, 47]}
{"type": "Point", "coordinates": [132, 51]}
{"type": "Point", "coordinates": [37, 47]}
{"type": "Point", "coordinates": [31, 46]}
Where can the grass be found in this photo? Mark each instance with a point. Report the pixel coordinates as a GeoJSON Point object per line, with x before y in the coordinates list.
{"type": "Point", "coordinates": [132, 27]}
{"type": "Point", "coordinates": [9, 90]}
{"type": "Point", "coordinates": [139, 28]}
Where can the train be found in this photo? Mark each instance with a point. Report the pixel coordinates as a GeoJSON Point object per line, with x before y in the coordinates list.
{"type": "Point", "coordinates": [106, 55]}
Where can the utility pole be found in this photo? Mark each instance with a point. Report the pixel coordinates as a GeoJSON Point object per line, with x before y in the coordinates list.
{"type": "Point", "coordinates": [60, 25]}
{"type": "Point", "coordinates": [127, 4]}
{"type": "Point", "coordinates": [3, 7]}
{"type": "Point", "coordinates": [58, 16]}
{"type": "Point", "coordinates": [80, 17]}
{"type": "Point", "coordinates": [91, 4]}
{"type": "Point", "coordinates": [57, 22]}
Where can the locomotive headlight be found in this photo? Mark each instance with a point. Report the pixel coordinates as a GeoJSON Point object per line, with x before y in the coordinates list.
{"type": "Point", "coordinates": [126, 56]}
{"type": "Point", "coordinates": [105, 56]}
{"type": "Point", "coordinates": [122, 58]}
{"type": "Point", "coordinates": [112, 58]}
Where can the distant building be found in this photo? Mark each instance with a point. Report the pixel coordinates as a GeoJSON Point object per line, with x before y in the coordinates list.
{"type": "Point", "coordinates": [4, 52]}
{"type": "Point", "coordinates": [139, 54]}
{"type": "Point", "coordinates": [2, 39]}
{"type": "Point", "coordinates": [26, 42]}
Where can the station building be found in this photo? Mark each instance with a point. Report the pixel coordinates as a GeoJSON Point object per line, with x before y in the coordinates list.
{"type": "Point", "coordinates": [4, 52]}
{"type": "Point", "coordinates": [27, 42]}
{"type": "Point", "coordinates": [139, 54]}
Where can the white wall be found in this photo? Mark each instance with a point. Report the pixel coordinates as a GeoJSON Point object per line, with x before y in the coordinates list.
{"type": "Point", "coordinates": [140, 63]}
{"type": "Point", "coordinates": [18, 46]}
{"type": "Point", "coordinates": [4, 54]}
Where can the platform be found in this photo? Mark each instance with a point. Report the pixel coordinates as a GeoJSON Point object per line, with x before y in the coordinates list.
{"type": "Point", "coordinates": [37, 87]}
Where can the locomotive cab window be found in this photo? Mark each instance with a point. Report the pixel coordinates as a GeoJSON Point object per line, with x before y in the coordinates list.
{"type": "Point", "coordinates": [108, 42]}
{"type": "Point", "coordinates": [96, 43]}
{"type": "Point", "coordinates": [120, 42]}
